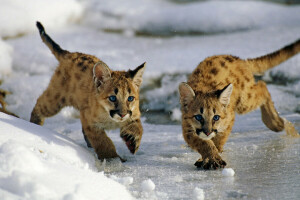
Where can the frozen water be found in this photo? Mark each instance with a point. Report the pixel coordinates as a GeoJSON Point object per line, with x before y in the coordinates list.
{"type": "Point", "coordinates": [266, 164]}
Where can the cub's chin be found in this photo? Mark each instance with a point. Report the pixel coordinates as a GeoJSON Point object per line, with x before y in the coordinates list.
{"type": "Point", "coordinates": [205, 136]}
{"type": "Point", "coordinates": [120, 119]}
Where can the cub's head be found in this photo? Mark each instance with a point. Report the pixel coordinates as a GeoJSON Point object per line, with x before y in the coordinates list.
{"type": "Point", "coordinates": [118, 91]}
{"type": "Point", "coordinates": [205, 114]}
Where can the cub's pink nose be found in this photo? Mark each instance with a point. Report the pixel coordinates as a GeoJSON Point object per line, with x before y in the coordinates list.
{"type": "Point", "coordinates": [122, 116]}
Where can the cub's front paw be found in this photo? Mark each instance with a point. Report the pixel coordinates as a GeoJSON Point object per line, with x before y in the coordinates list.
{"type": "Point", "coordinates": [131, 142]}
{"type": "Point", "coordinates": [211, 163]}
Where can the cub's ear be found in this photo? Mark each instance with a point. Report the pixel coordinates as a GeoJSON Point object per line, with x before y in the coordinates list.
{"type": "Point", "coordinates": [224, 94]}
{"type": "Point", "coordinates": [187, 94]}
{"type": "Point", "coordinates": [101, 73]}
{"type": "Point", "coordinates": [137, 74]}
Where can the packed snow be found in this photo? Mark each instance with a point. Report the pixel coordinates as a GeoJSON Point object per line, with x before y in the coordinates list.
{"type": "Point", "coordinates": [37, 163]}
{"type": "Point", "coordinates": [198, 194]}
{"type": "Point", "coordinates": [53, 162]}
{"type": "Point", "coordinates": [167, 18]}
{"type": "Point", "coordinates": [148, 185]}
{"type": "Point", "coordinates": [228, 172]}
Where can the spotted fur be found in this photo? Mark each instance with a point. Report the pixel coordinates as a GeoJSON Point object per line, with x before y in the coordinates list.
{"type": "Point", "coordinates": [87, 83]}
{"type": "Point", "coordinates": [218, 88]}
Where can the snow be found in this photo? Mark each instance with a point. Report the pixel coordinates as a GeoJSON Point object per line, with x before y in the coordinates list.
{"type": "Point", "coordinates": [176, 114]}
{"type": "Point", "coordinates": [165, 18]}
{"type": "Point", "coordinates": [198, 194]}
{"type": "Point", "coordinates": [37, 163]}
{"type": "Point", "coordinates": [228, 172]}
{"type": "Point", "coordinates": [53, 162]}
{"type": "Point", "coordinates": [53, 13]}
{"type": "Point", "coordinates": [124, 181]}
{"type": "Point", "coordinates": [147, 185]}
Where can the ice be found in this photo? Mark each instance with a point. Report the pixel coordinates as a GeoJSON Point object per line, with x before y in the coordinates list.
{"type": "Point", "coordinates": [53, 162]}
{"type": "Point", "coordinates": [198, 194]}
{"type": "Point", "coordinates": [228, 172]}
{"type": "Point", "coordinates": [147, 185]}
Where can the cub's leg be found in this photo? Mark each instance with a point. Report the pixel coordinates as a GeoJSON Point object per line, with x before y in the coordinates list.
{"type": "Point", "coordinates": [221, 138]}
{"type": "Point", "coordinates": [47, 105]}
{"type": "Point", "coordinates": [209, 152]}
{"type": "Point", "coordinates": [86, 139]}
{"type": "Point", "coordinates": [132, 135]}
{"type": "Point", "coordinates": [102, 144]}
{"type": "Point", "coordinates": [258, 95]}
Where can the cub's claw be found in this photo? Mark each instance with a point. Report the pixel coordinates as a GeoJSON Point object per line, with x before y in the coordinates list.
{"type": "Point", "coordinates": [130, 142]}
{"type": "Point", "coordinates": [208, 164]}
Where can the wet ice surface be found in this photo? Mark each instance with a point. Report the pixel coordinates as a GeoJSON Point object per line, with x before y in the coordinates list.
{"type": "Point", "coordinates": [266, 164]}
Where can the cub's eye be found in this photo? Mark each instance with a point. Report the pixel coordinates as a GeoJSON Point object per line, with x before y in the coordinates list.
{"type": "Point", "coordinates": [112, 98]}
{"type": "Point", "coordinates": [216, 117]}
{"type": "Point", "coordinates": [130, 98]}
{"type": "Point", "coordinates": [198, 117]}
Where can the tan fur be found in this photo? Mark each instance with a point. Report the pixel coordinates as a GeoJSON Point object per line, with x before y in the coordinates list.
{"type": "Point", "coordinates": [86, 83]}
{"type": "Point", "coordinates": [221, 86]}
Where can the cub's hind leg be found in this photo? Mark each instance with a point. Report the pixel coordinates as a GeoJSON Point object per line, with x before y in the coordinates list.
{"type": "Point", "coordinates": [47, 105]}
{"type": "Point", "coordinates": [259, 96]}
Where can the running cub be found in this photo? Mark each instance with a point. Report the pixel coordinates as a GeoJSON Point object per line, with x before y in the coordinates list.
{"type": "Point", "coordinates": [106, 99]}
{"type": "Point", "coordinates": [219, 87]}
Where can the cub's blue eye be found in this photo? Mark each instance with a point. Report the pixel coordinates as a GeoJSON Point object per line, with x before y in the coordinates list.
{"type": "Point", "coordinates": [216, 117]}
{"type": "Point", "coordinates": [112, 98]}
{"type": "Point", "coordinates": [130, 98]}
{"type": "Point", "coordinates": [198, 117]}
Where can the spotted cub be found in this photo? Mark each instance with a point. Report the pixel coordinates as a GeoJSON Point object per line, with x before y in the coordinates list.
{"type": "Point", "coordinates": [106, 99]}
{"type": "Point", "coordinates": [218, 88]}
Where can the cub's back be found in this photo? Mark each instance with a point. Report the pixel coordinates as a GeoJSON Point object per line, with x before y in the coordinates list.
{"type": "Point", "coordinates": [216, 72]}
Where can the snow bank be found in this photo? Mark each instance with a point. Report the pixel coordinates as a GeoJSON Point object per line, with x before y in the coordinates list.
{"type": "Point", "coordinates": [19, 17]}
{"type": "Point", "coordinates": [164, 17]}
{"type": "Point", "coordinates": [36, 163]}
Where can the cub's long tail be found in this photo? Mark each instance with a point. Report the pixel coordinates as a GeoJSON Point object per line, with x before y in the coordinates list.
{"type": "Point", "coordinates": [55, 48]}
{"type": "Point", "coordinates": [263, 63]}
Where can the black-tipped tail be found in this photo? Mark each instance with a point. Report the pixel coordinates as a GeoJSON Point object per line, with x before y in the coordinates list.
{"type": "Point", "coordinates": [263, 63]}
{"type": "Point", "coordinates": [40, 27]}
{"type": "Point", "coordinates": [55, 48]}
